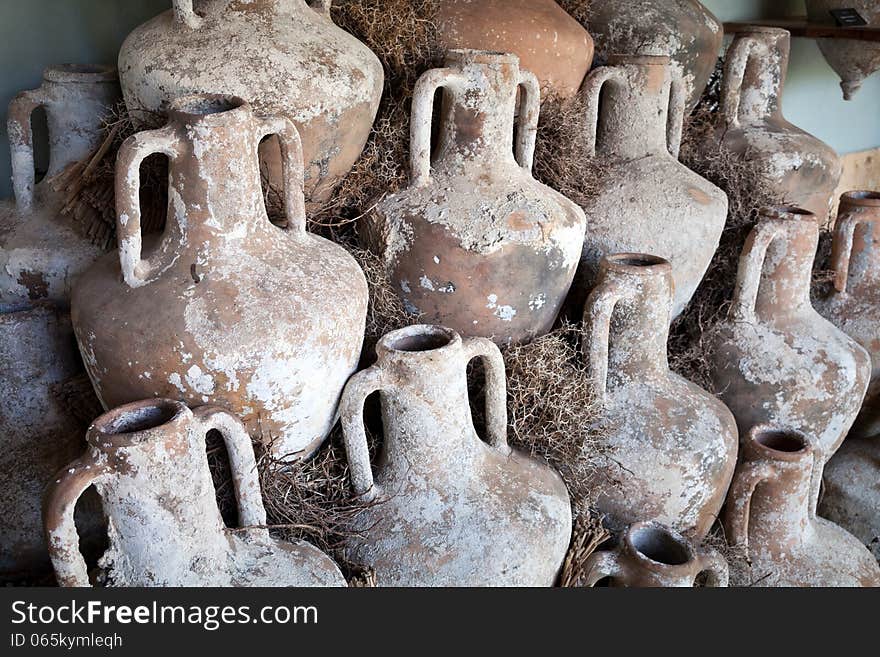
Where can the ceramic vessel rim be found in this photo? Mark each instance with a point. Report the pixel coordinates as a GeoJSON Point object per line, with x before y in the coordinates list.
{"type": "Point", "coordinates": [102, 433]}
{"type": "Point", "coordinates": [186, 108]}
{"type": "Point", "coordinates": [773, 454]}
{"type": "Point", "coordinates": [861, 198]}
{"type": "Point", "coordinates": [80, 73]}
{"type": "Point", "coordinates": [465, 56]}
{"type": "Point", "coordinates": [660, 529]}
{"type": "Point", "coordinates": [385, 346]}
{"type": "Point", "coordinates": [622, 59]}
{"type": "Point", "coordinates": [622, 262]}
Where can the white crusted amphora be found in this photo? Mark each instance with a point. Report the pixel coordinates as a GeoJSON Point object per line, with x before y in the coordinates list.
{"type": "Point", "coordinates": [449, 509]}
{"type": "Point", "coordinates": [149, 464]}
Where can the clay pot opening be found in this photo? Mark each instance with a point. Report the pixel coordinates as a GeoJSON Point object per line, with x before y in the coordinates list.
{"type": "Point", "coordinates": [636, 260]}
{"type": "Point", "coordinates": [641, 60]}
{"type": "Point", "coordinates": [861, 198]}
{"type": "Point", "coordinates": [660, 545]}
{"type": "Point", "coordinates": [422, 339]}
{"type": "Point", "coordinates": [470, 56]}
{"type": "Point", "coordinates": [787, 212]}
{"type": "Point", "coordinates": [82, 73]}
{"type": "Point", "coordinates": [780, 440]}
{"type": "Point", "coordinates": [761, 29]}
{"type": "Point", "coordinates": [137, 417]}
{"type": "Point", "coordinates": [197, 105]}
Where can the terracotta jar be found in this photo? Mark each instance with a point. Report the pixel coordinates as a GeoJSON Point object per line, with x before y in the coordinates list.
{"type": "Point", "coordinates": [851, 490]}
{"type": "Point", "coordinates": [549, 43]}
{"type": "Point", "coordinates": [852, 60]}
{"type": "Point", "coordinates": [149, 465]}
{"type": "Point", "coordinates": [799, 168]}
{"type": "Point", "coordinates": [226, 308]}
{"type": "Point", "coordinates": [668, 447]}
{"type": "Point", "coordinates": [854, 304]}
{"type": "Point", "coordinates": [449, 509]}
{"type": "Point", "coordinates": [681, 29]}
{"type": "Point", "coordinates": [475, 242]}
{"type": "Point", "coordinates": [653, 555]}
{"type": "Point", "coordinates": [38, 434]}
{"type": "Point", "coordinates": [285, 57]}
{"type": "Point", "coordinates": [775, 359]}
{"type": "Point", "coordinates": [647, 201]}
{"type": "Point", "coordinates": [40, 254]}
{"type": "Point", "coordinates": [772, 513]}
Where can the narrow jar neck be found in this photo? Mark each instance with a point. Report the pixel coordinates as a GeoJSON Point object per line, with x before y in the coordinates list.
{"type": "Point", "coordinates": [634, 113]}
{"type": "Point", "coordinates": [787, 273]}
{"type": "Point", "coordinates": [781, 508]}
{"type": "Point", "coordinates": [760, 96]}
{"type": "Point", "coordinates": [863, 275]}
{"type": "Point", "coordinates": [477, 116]}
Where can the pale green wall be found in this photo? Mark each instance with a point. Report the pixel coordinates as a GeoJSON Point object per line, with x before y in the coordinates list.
{"type": "Point", "coordinates": [36, 33]}
{"type": "Point", "coordinates": [813, 99]}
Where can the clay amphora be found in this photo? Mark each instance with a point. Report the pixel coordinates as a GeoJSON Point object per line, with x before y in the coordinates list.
{"type": "Point", "coordinates": [449, 509]}
{"type": "Point", "coordinates": [226, 308]}
{"type": "Point", "coordinates": [683, 30]}
{"type": "Point", "coordinates": [772, 513]}
{"type": "Point", "coordinates": [647, 201]}
{"type": "Point", "coordinates": [800, 169]}
{"type": "Point", "coordinates": [668, 447]}
{"type": "Point", "coordinates": [653, 555]}
{"type": "Point", "coordinates": [854, 304]}
{"type": "Point", "coordinates": [475, 242]}
{"type": "Point", "coordinates": [38, 434]}
{"type": "Point", "coordinates": [549, 43]}
{"type": "Point", "coordinates": [775, 359]}
{"type": "Point", "coordinates": [40, 254]}
{"type": "Point", "coordinates": [149, 464]}
{"type": "Point", "coordinates": [852, 60]}
{"type": "Point", "coordinates": [285, 57]}
{"type": "Point", "coordinates": [851, 490]}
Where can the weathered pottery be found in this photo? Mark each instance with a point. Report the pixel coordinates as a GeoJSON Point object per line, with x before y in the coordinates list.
{"type": "Point", "coordinates": [283, 56]}
{"type": "Point", "coordinates": [775, 359]}
{"type": "Point", "coordinates": [854, 303]}
{"type": "Point", "coordinates": [226, 308]}
{"type": "Point", "coordinates": [799, 168]}
{"type": "Point", "coordinates": [683, 30]}
{"type": "Point", "coordinates": [475, 242]}
{"type": "Point", "coordinates": [852, 60]}
{"type": "Point", "coordinates": [38, 435]}
{"type": "Point", "coordinates": [549, 43]}
{"type": "Point", "coordinates": [668, 447]}
{"type": "Point", "coordinates": [771, 512]}
{"type": "Point", "coordinates": [647, 201]}
{"type": "Point", "coordinates": [851, 490]}
{"type": "Point", "coordinates": [652, 555]}
{"type": "Point", "coordinates": [40, 254]}
{"type": "Point", "coordinates": [448, 509]}
{"type": "Point", "coordinates": [149, 465]}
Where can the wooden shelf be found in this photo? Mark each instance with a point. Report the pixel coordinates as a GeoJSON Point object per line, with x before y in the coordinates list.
{"type": "Point", "coordinates": [799, 27]}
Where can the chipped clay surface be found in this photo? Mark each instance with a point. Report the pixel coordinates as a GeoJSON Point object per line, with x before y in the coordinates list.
{"type": "Point", "coordinates": [548, 42]}
{"type": "Point", "coordinates": [671, 446]}
{"type": "Point", "coordinates": [683, 30]}
{"type": "Point", "coordinates": [647, 201]}
{"type": "Point", "coordinates": [451, 509]}
{"type": "Point", "coordinates": [852, 60]}
{"type": "Point", "coordinates": [475, 242]}
{"type": "Point", "coordinates": [800, 169]}
{"type": "Point", "coordinates": [650, 554]}
{"type": "Point", "coordinates": [148, 463]}
{"type": "Point", "coordinates": [283, 56]}
{"type": "Point", "coordinates": [40, 254]}
{"type": "Point", "coordinates": [227, 308]}
{"type": "Point", "coordinates": [771, 510]}
{"type": "Point", "coordinates": [775, 359]}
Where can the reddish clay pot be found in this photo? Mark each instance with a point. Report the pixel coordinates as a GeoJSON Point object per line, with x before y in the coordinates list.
{"type": "Point", "coordinates": [852, 60]}
{"type": "Point", "coordinates": [40, 254]}
{"type": "Point", "coordinates": [851, 490]}
{"type": "Point", "coordinates": [771, 512]}
{"type": "Point", "coordinates": [683, 30]}
{"type": "Point", "coordinates": [549, 42]}
{"type": "Point", "coordinates": [653, 555]}
{"type": "Point", "coordinates": [148, 462]}
{"type": "Point", "coordinates": [226, 308]}
{"type": "Point", "coordinates": [668, 447]}
{"type": "Point", "coordinates": [775, 359]}
{"type": "Point", "coordinates": [38, 434]}
{"type": "Point", "coordinates": [799, 168]}
{"type": "Point", "coordinates": [450, 509]}
{"type": "Point", "coordinates": [475, 242]}
{"type": "Point", "coordinates": [283, 56]}
{"type": "Point", "coordinates": [854, 304]}
{"type": "Point", "coordinates": [647, 201]}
